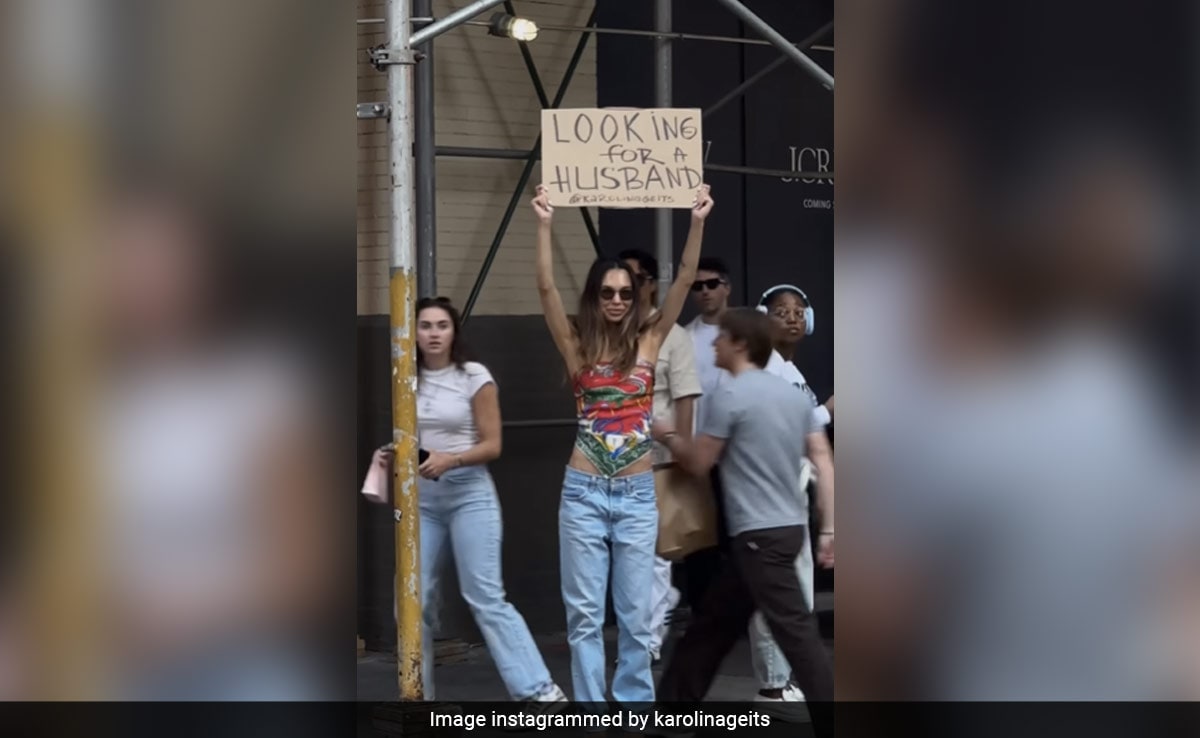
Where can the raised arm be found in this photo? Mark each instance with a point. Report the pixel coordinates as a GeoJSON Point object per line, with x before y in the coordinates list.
{"type": "Point", "coordinates": [552, 305]}
{"type": "Point", "coordinates": [677, 295]}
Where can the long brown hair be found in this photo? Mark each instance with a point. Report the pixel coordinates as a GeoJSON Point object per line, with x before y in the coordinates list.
{"type": "Point", "coordinates": [596, 336]}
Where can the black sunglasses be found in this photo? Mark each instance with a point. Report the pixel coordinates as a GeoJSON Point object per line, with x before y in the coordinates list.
{"type": "Point", "coordinates": [625, 294]}
{"type": "Point", "coordinates": [711, 284]}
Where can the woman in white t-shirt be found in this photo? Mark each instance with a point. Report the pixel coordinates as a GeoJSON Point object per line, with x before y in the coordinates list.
{"type": "Point", "coordinates": [458, 421]}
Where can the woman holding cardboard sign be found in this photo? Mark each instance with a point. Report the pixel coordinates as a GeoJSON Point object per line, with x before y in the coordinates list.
{"type": "Point", "coordinates": [608, 520]}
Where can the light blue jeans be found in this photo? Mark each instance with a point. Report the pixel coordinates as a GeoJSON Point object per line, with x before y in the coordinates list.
{"type": "Point", "coordinates": [461, 509]}
{"type": "Point", "coordinates": [608, 524]}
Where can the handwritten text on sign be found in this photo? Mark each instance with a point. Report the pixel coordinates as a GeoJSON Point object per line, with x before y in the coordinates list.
{"type": "Point", "coordinates": [622, 158]}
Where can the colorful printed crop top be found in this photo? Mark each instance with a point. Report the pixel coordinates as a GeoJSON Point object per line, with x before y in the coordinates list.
{"type": "Point", "coordinates": [614, 415]}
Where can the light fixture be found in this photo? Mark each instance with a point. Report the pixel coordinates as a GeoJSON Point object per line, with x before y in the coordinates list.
{"type": "Point", "coordinates": [520, 29]}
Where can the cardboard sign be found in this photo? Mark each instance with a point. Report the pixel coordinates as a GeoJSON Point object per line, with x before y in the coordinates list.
{"type": "Point", "coordinates": [622, 157]}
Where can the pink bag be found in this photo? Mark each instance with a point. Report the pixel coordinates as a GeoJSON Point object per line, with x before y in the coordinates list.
{"type": "Point", "coordinates": [375, 488]}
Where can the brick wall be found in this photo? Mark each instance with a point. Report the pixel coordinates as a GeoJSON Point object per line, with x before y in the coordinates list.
{"type": "Point", "coordinates": [484, 98]}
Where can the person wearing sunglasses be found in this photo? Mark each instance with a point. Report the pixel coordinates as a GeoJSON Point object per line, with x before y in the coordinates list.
{"type": "Point", "coordinates": [676, 387]}
{"type": "Point", "coordinates": [710, 295]}
{"type": "Point", "coordinates": [608, 517]}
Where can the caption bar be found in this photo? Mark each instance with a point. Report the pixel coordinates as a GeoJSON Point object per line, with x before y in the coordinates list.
{"type": "Point", "coordinates": [622, 719]}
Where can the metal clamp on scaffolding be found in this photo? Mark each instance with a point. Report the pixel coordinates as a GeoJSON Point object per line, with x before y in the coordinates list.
{"type": "Point", "coordinates": [382, 57]}
{"type": "Point", "coordinates": [367, 111]}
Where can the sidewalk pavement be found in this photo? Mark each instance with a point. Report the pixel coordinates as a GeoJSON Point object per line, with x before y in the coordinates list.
{"type": "Point", "coordinates": [465, 672]}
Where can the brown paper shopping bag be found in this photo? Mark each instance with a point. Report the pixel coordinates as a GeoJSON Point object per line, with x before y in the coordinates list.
{"type": "Point", "coordinates": [687, 513]}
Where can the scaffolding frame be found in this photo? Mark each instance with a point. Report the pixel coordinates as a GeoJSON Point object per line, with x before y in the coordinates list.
{"type": "Point", "coordinates": [407, 58]}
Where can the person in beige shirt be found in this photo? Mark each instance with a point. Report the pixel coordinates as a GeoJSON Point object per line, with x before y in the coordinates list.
{"type": "Point", "coordinates": [676, 387]}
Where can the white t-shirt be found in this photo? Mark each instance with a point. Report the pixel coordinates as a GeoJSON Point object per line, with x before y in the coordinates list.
{"type": "Point", "coordinates": [675, 373]}
{"type": "Point", "coordinates": [445, 419]}
{"type": "Point", "coordinates": [784, 369]}
{"type": "Point", "coordinates": [711, 377]}
{"type": "Point", "coordinates": [182, 486]}
{"type": "Point", "coordinates": [675, 378]}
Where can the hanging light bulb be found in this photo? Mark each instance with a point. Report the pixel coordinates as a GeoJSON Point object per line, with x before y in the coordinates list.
{"type": "Point", "coordinates": [505, 25]}
{"type": "Point", "coordinates": [523, 29]}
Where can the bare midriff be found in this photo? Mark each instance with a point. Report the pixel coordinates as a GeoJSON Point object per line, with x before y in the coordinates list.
{"type": "Point", "coordinates": [580, 462]}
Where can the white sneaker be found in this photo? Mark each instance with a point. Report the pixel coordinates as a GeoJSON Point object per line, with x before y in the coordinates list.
{"type": "Point", "coordinates": [789, 706]}
{"type": "Point", "coordinates": [547, 702]}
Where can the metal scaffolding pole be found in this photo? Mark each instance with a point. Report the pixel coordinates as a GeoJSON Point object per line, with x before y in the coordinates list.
{"type": "Point", "coordinates": [617, 32]}
{"type": "Point", "coordinates": [57, 154]}
{"type": "Point", "coordinates": [426, 166]}
{"type": "Point", "coordinates": [761, 172]}
{"type": "Point", "coordinates": [765, 30]}
{"type": "Point", "coordinates": [457, 18]}
{"type": "Point", "coordinates": [402, 294]}
{"type": "Point", "coordinates": [472, 152]}
{"type": "Point", "coordinates": [531, 157]}
{"type": "Point", "coordinates": [738, 91]}
{"type": "Point", "coordinates": [663, 234]}
{"type": "Point", "coordinates": [475, 152]}
{"type": "Point", "coordinates": [540, 89]}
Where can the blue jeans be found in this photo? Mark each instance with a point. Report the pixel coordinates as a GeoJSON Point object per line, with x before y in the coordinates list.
{"type": "Point", "coordinates": [608, 523]}
{"type": "Point", "coordinates": [461, 509]}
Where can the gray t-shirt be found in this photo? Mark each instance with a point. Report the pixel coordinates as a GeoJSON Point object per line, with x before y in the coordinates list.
{"type": "Point", "coordinates": [763, 421]}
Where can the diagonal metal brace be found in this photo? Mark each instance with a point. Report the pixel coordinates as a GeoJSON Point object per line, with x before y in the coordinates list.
{"type": "Point", "coordinates": [764, 29]}
{"type": "Point", "coordinates": [531, 158]}
{"type": "Point", "coordinates": [760, 74]}
{"type": "Point", "coordinates": [540, 89]}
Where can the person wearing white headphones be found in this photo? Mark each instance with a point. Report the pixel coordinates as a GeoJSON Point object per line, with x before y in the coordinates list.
{"type": "Point", "coordinates": [711, 291]}
{"type": "Point", "coordinates": [792, 318]}
{"type": "Point", "coordinates": [792, 314]}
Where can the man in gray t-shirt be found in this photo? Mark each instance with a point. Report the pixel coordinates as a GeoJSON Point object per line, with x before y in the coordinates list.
{"type": "Point", "coordinates": [760, 417]}
{"type": "Point", "coordinates": [758, 426]}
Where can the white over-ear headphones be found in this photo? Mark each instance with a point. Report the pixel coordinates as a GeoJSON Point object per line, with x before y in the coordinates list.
{"type": "Point", "coordinates": [808, 311]}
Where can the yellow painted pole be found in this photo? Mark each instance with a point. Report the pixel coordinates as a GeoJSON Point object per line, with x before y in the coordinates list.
{"type": "Point", "coordinates": [408, 546]}
{"type": "Point", "coordinates": [403, 295]}
{"type": "Point", "coordinates": [53, 162]}
{"type": "Point", "coordinates": [52, 178]}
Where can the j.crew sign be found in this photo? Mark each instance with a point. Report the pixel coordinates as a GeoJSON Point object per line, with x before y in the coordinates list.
{"type": "Point", "coordinates": [809, 159]}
